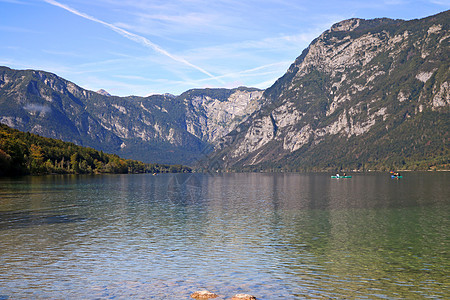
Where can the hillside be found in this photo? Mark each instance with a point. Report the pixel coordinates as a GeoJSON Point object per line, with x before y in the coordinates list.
{"type": "Point", "coordinates": [159, 128]}
{"type": "Point", "coordinates": [366, 94]}
{"type": "Point", "coordinates": [23, 153]}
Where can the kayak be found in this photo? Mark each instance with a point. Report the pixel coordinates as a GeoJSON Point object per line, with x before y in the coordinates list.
{"type": "Point", "coordinates": [347, 176]}
{"type": "Point", "coordinates": [394, 176]}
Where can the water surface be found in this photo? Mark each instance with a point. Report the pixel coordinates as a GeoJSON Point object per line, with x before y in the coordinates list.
{"type": "Point", "coordinates": [276, 236]}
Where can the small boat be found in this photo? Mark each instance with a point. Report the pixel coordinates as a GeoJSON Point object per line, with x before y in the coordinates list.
{"type": "Point", "coordinates": [395, 175]}
{"type": "Point", "coordinates": [341, 176]}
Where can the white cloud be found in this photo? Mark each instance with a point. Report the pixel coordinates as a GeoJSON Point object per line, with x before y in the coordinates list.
{"type": "Point", "coordinates": [273, 68]}
{"type": "Point", "coordinates": [62, 53]}
{"type": "Point", "coordinates": [441, 2]}
{"type": "Point", "coordinates": [252, 42]}
{"type": "Point", "coordinates": [131, 36]}
{"type": "Point", "coordinates": [17, 29]}
{"type": "Point", "coordinates": [13, 1]}
{"type": "Point", "coordinates": [266, 84]}
{"type": "Point", "coordinates": [37, 108]}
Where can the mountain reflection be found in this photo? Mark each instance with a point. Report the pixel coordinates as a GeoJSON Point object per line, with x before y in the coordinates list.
{"type": "Point", "coordinates": [278, 236]}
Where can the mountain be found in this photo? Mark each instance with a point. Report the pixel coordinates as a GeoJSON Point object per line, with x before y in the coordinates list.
{"type": "Point", "coordinates": [365, 94]}
{"type": "Point", "coordinates": [159, 128]}
{"type": "Point", "coordinates": [103, 92]}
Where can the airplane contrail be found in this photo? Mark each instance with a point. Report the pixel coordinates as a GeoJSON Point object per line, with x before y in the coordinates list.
{"type": "Point", "coordinates": [131, 36]}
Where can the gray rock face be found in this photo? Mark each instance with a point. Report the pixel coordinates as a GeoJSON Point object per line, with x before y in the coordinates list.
{"type": "Point", "coordinates": [363, 92]}
{"type": "Point", "coordinates": [209, 118]}
{"type": "Point", "coordinates": [103, 92]}
{"type": "Point", "coordinates": [159, 128]}
{"type": "Point", "coordinates": [360, 78]}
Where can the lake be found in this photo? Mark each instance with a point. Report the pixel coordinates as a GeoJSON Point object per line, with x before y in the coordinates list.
{"type": "Point", "coordinates": [275, 236]}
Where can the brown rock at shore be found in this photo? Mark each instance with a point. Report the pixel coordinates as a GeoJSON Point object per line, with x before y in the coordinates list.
{"type": "Point", "coordinates": [204, 295]}
{"type": "Point", "coordinates": [243, 297]}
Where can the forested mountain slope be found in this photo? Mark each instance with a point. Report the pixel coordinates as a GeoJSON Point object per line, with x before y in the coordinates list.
{"type": "Point", "coordinates": [23, 153]}
{"type": "Point", "coordinates": [366, 94]}
{"type": "Point", "coordinates": [158, 128]}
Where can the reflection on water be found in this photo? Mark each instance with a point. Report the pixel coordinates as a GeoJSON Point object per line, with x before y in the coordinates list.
{"type": "Point", "coordinates": [9, 220]}
{"type": "Point", "coordinates": [277, 236]}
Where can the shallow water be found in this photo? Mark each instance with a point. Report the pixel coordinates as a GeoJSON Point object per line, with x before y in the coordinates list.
{"type": "Point", "coordinates": [275, 236]}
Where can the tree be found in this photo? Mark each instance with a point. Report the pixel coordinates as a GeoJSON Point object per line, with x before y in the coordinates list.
{"type": "Point", "coordinates": [74, 162]}
{"type": "Point", "coordinates": [5, 162]}
{"type": "Point", "coordinates": [25, 153]}
{"type": "Point", "coordinates": [36, 159]}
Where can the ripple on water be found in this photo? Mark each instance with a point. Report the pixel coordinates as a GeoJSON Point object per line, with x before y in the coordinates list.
{"type": "Point", "coordinates": [275, 236]}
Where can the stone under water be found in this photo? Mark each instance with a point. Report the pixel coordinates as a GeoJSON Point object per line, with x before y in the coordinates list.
{"type": "Point", "coordinates": [204, 295]}
{"type": "Point", "coordinates": [243, 297]}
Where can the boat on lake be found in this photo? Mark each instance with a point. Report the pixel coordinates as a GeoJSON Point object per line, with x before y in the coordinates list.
{"type": "Point", "coordinates": [396, 175]}
{"type": "Point", "coordinates": [341, 176]}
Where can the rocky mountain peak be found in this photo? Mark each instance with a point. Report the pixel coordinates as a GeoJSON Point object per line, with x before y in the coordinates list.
{"type": "Point", "coordinates": [103, 92]}
{"type": "Point", "coordinates": [364, 94]}
{"type": "Point", "coordinates": [158, 128]}
{"type": "Point", "coordinates": [346, 25]}
{"type": "Point", "coordinates": [357, 88]}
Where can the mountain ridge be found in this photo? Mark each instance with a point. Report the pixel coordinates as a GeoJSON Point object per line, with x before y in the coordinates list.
{"type": "Point", "coordinates": [356, 80]}
{"type": "Point", "coordinates": [158, 128]}
{"type": "Point", "coordinates": [364, 94]}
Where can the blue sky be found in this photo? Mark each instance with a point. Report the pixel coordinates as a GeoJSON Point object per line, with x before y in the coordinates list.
{"type": "Point", "coordinates": [138, 47]}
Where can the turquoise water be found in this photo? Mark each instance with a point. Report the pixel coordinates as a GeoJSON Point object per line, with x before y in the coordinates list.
{"type": "Point", "coordinates": [275, 236]}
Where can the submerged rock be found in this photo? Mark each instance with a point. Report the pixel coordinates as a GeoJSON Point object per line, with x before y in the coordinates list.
{"type": "Point", "coordinates": [204, 295]}
{"type": "Point", "coordinates": [243, 297]}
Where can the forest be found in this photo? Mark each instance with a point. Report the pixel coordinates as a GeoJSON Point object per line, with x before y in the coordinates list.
{"type": "Point", "coordinates": [24, 153]}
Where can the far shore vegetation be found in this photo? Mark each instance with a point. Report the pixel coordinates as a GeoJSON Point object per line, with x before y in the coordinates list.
{"type": "Point", "coordinates": [24, 153]}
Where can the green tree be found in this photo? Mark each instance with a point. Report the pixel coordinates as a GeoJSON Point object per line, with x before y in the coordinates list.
{"type": "Point", "coordinates": [74, 162]}
{"type": "Point", "coordinates": [5, 162]}
{"type": "Point", "coordinates": [36, 159]}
